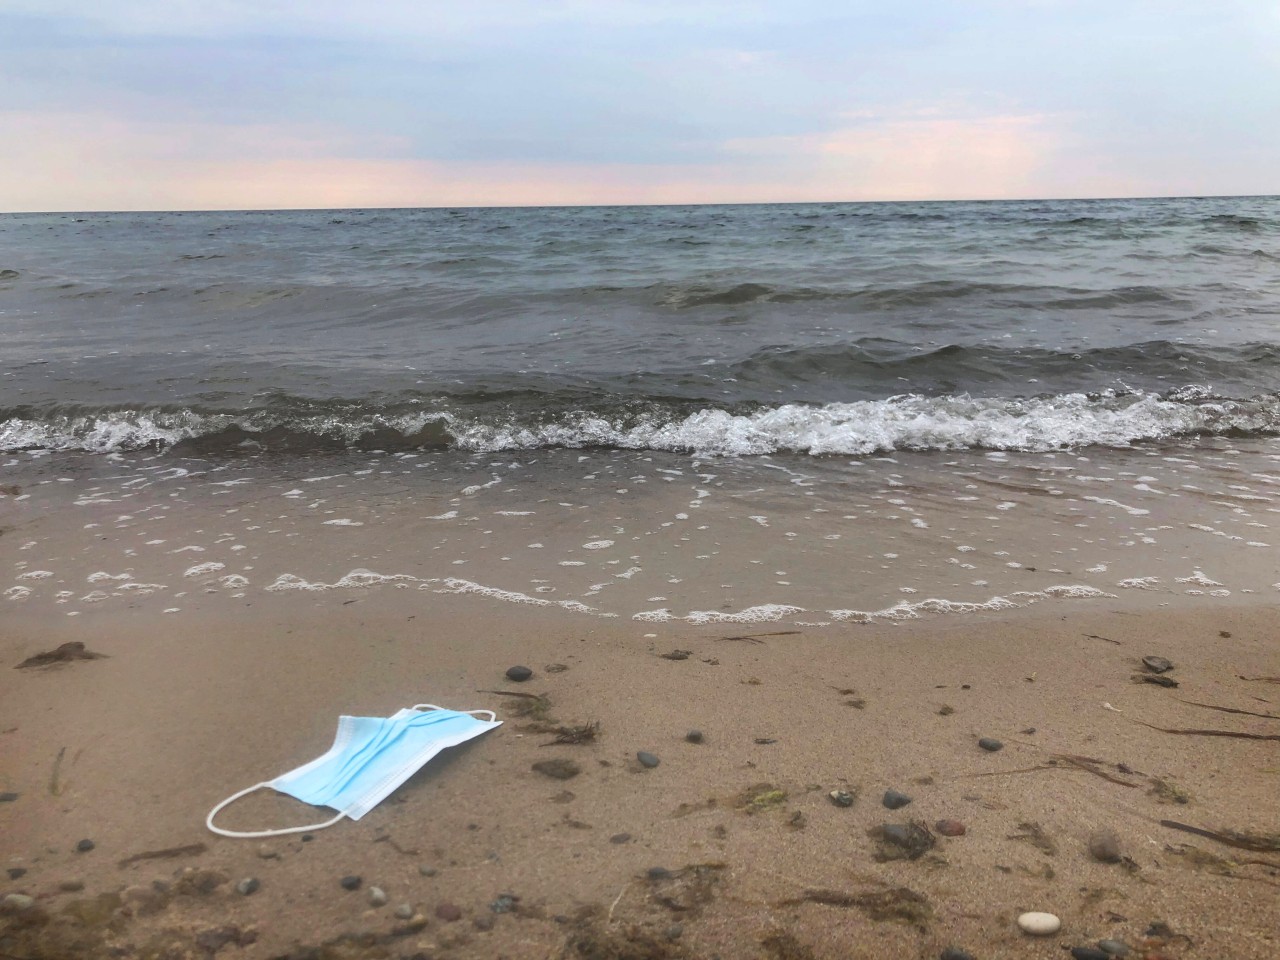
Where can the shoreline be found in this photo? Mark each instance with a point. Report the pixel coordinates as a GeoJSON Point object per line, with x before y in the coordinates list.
{"type": "Point", "coordinates": [177, 718]}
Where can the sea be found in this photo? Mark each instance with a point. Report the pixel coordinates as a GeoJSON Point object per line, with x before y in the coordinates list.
{"type": "Point", "coordinates": [800, 413]}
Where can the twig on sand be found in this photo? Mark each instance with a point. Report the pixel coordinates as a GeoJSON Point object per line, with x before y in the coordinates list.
{"type": "Point", "coordinates": [168, 853]}
{"type": "Point", "coordinates": [1259, 843]}
{"type": "Point", "coordinates": [617, 900]}
{"type": "Point", "coordinates": [1094, 636]}
{"type": "Point", "coordinates": [755, 637]}
{"type": "Point", "coordinates": [1259, 679]}
{"type": "Point", "coordinates": [1247, 713]}
{"type": "Point", "coordinates": [1212, 733]}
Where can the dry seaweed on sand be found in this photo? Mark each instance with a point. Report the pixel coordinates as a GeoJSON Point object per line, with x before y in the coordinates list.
{"type": "Point", "coordinates": [760, 796]}
{"type": "Point", "coordinates": [687, 890]}
{"type": "Point", "coordinates": [1166, 791]}
{"type": "Point", "coordinates": [1247, 713]}
{"type": "Point", "coordinates": [1035, 835]}
{"type": "Point", "coordinates": [755, 637]}
{"type": "Point", "coordinates": [894, 905]}
{"type": "Point", "coordinates": [783, 946]}
{"type": "Point", "coordinates": [1211, 733]}
{"type": "Point", "coordinates": [902, 841]}
{"type": "Point", "coordinates": [577, 734]}
{"type": "Point", "coordinates": [591, 938]}
{"type": "Point", "coordinates": [1258, 679]}
{"type": "Point", "coordinates": [65, 653]}
{"type": "Point", "coordinates": [1091, 764]}
{"type": "Point", "coordinates": [168, 853]}
{"type": "Point", "coordinates": [1159, 679]}
{"type": "Point", "coordinates": [1257, 842]}
{"type": "Point", "coordinates": [533, 706]}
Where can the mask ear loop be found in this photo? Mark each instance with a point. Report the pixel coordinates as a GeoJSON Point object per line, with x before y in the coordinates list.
{"type": "Point", "coordinates": [252, 834]}
{"type": "Point", "coordinates": [431, 706]}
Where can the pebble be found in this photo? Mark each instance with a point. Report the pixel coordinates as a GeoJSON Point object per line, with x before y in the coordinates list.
{"type": "Point", "coordinates": [1039, 924]}
{"type": "Point", "coordinates": [658, 873]}
{"type": "Point", "coordinates": [675, 931]}
{"type": "Point", "coordinates": [955, 953]}
{"type": "Point", "coordinates": [351, 882]}
{"type": "Point", "coordinates": [1104, 846]}
{"type": "Point", "coordinates": [248, 886]}
{"type": "Point", "coordinates": [1115, 948]}
{"type": "Point", "coordinates": [404, 911]}
{"type": "Point", "coordinates": [519, 674]}
{"type": "Point", "coordinates": [990, 744]}
{"type": "Point", "coordinates": [377, 897]}
{"type": "Point", "coordinates": [841, 798]}
{"type": "Point", "coordinates": [8, 797]}
{"type": "Point", "coordinates": [71, 886]}
{"type": "Point", "coordinates": [505, 903]}
{"type": "Point", "coordinates": [694, 736]}
{"type": "Point", "coordinates": [483, 923]}
{"type": "Point", "coordinates": [1157, 664]}
{"type": "Point", "coordinates": [620, 838]}
{"type": "Point", "coordinates": [17, 873]}
{"type": "Point", "coordinates": [448, 912]}
{"type": "Point", "coordinates": [1089, 953]}
{"type": "Point", "coordinates": [893, 799]}
{"type": "Point", "coordinates": [950, 828]}
{"type": "Point", "coordinates": [647, 759]}
{"type": "Point", "coordinates": [84, 846]}
{"type": "Point", "coordinates": [18, 901]}
{"type": "Point", "coordinates": [267, 853]}
{"type": "Point", "coordinates": [427, 871]}
{"type": "Point", "coordinates": [559, 769]}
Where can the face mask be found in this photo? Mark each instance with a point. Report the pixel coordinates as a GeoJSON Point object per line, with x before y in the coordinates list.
{"type": "Point", "coordinates": [370, 757]}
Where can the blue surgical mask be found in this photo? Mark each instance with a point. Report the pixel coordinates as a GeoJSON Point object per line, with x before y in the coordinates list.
{"type": "Point", "coordinates": [370, 757]}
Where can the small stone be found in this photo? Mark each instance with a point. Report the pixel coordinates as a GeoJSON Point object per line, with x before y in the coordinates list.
{"type": "Point", "coordinates": [559, 769]}
{"type": "Point", "coordinates": [448, 912]}
{"type": "Point", "coordinates": [675, 931]}
{"type": "Point", "coordinates": [658, 873]}
{"type": "Point", "coordinates": [248, 886]}
{"type": "Point", "coordinates": [950, 828]}
{"type": "Point", "coordinates": [404, 911]}
{"type": "Point", "coordinates": [15, 902]}
{"type": "Point", "coordinates": [377, 897]}
{"type": "Point", "coordinates": [694, 736]}
{"type": "Point", "coordinates": [1039, 924]}
{"type": "Point", "coordinates": [71, 886]}
{"type": "Point", "coordinates": [990, 744]}
{"type": "Point", "coordinates": [620, 838]}
{"type": "Point", "coordinates": [1089, 953]}
{"type": "Point", "coordinates": [308, 837]}
{"type": "Point", "coordinates": [894, 800]}
{"type": "Point", "coordinates": [483, 923]}
{"type": "Point", "coordinates": [519, 674]}
{"type": "Point", "coordinates": [17, 873]}
{"type": "Point", "coordinates": [351, 882]}
{"type": "Point", "coordinates": [84, 846]}
{"type": "Point", "coordinates": [955, 953]}
{"type": "Point", "coordinates": [1104, 846]}
{"type": "Point", "coordinates": [8, 797]}
{"type": "Point", "coordinates": [504, 903]}
{"type": "Point", "coordinates": [267, 853]}
{"type": "Point", "coordinates": [841, 798]}
{"type": "Point", "coordinates": [1028, 731]}
{"type": "Point", "coordinates": [1157, 664]}
{"type": "Point", "coordinates": [1114, 948]}
{"type": "Point", "coordinates": [647, 759]}
{"type": "Point", "coordinates": [427, 871]}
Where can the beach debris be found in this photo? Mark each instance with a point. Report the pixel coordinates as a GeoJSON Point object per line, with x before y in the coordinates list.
{"type": "Point", "coordinates": [215, 938]}
{"type": "Point", "coordinates": [950, 828]}
{"type": "Point", "coordinates": [519, 674]}
{"type": "Point", "coordinates": [1092, 765]}
{"type": "Point", "coordinates": [1104, 846]}
{"type": "Point", "coordinates": [1089, 953]}
{"type": "Point", "coordinates": [532, 706]}
{"type": "Point", "coordinates": [555, 668]}
{"type": "Point", "coordinates": [686, 890]}
{"type": "Point", "coordinates": [1157, 664]}
{"type": "Point", "coordinates": [558, 769]}
{"type": "Point", "coordinates": [248, 886]}
{"type": "Point", "coordinates": [66, 653]}
{"type": "Point", "coordinates": [377, 897]}
{"type": "Point", "coordinates": [694, 736]}
{"type": "Point", "coordinates": [1258, 679]}
{"type": "Point", "coordinates": [1039, 924]}
{"type": "Point", "coordinates": [990, 744]}
{"type": "Point", "coordinates": [759, 797]}
{"type": "Point", "coordinates": [842, 798]}
{"type": "Point", "coordinates": [70, 886]}
{"type": "Point", "coordinates": [1211, 733]}
{"type": "Point", "coordinates": [351, 882]}
{"type": "Point", "coordinates": [268, 852]}
{"type": "Point", "coordinates": [427, 870]}
{"type": "Point", "coordinates": [895, 904]}
{"type": "Point", "coordinates": [448, 912]}
{"type": "Point", "coordinates": [901, 841]}
{"type": "Point", "coordinates": [8, 797]}
{"type": "Point", "coordinates": [946, 710]}
{"type": "Point", "coordinates": [404, 911]}
{"type": "Point", "coordinates": [1034, 834]}
{"type": "Point", "coordinates": [84, 846]}
{"type": "Point", "coordinates": [17, 902]}
{"type": "Point", "coordinates": [755, 637]}
{"type": "Point", "coordinates": [577, 734]}
{"type": "Point", "coordinates": [620, 838]}
{"type": "Point", "coordinates": [504, 903]}
{"type": "Point", "coordinates": [764, 741]}
{"type": "Point", "coordinates": [677, 655]}
{"type": "Point", "coordinates": [16, 873]}
{"type": "Point", "coordinates": [1114, 948]}
{"type": "Point", "coordinates": [168, 853]}
{"type": "Point", "coordinates": [647, 760]}
{"type": "Point", "coordinates": [1107, 706]}
{"type": "Point", "coordinates": [955, 953]}
{"type": "Point", "coordinates": [1247, 713]}
{"type": "Point", "coordinates": [1258, 842]}
{"type": "Point", "coordinates": [1166, 791]}
{"type": "Point", "coordinates": [1158, 679]}
{"type": "Point", "coordinates": [895, 800]}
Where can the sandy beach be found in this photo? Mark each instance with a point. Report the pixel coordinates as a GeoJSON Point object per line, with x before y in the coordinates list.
{"type": "Point", "coordinates": [732, 847]}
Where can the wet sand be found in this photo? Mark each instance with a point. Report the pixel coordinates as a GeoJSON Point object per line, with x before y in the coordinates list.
{"type": "Point", "coordinates": [132, 750]}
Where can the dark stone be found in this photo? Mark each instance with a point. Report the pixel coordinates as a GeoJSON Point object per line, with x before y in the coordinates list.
{"type": "Point", "coordinates": [955, 953]}
{"type": "Point", "coordinates": [647, 759]}
{"type": "Point", "coordinates": [448, 912]}
{"type": "Point", "coordinates": [559, 769]}
{"type": "Point", "coordinates": [1115, 948]}
{"type": "Point", "coordinates": [84, 846]}
{"type": "Point", "coordinates": [1089, 953]}
{"type": "Point", "coordinates": [895, 800]}
{"type": "Point", "coordinates": [71, 886]}
{"type": "Point", "coordinates": [519, 674]}
{"type": "Point", "coordinates": [694, 736]}
{"type": "Point", "coordinates": [308, 837]}
{"type": "Point", "coordinates": [990, 744]}
{"type": "Point", "coordinates": [1157, 664]}
{"type": "Point", "coordinates": [1029, 730]}
{"type": "Point", "coordinates": [658, 873]}
{"type": "Point", "coordinates": [675, 931]}
{"type": "Point", "coordinates": [483, 923]}
{"type": "Point", "coordinates": [17, 873]}
{"type": "Point", "coordinates": [950, 828]}
{"type": "Point", "coordinates": [351, 882]}
{"type": "Point", "coordinates": [902, 841]}
{"type": "Point", "coordinates": [620, 838]}
{"type": "Point", "coordinates": [1104, 846]}
{"type": "Point", "coordinates": [211, 941]}
{"type": "Point", "coordinates": [8, 797]}
{"type": "Point", "coordinates": [248, 886]}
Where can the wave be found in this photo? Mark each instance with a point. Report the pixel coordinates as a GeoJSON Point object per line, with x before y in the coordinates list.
{"type": "Point", "coordinates": [906, 422]}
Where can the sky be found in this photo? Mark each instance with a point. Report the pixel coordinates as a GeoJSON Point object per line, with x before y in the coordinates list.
{"type": "Point", "coordinates": [236, 104]}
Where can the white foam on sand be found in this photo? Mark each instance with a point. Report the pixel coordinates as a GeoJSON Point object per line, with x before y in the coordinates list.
{"type": "Point", "coordinates": [200, 569]}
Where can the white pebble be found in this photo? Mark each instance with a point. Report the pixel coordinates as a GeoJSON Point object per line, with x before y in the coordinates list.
{"type": "Point", "coordinates": [1039, 924]}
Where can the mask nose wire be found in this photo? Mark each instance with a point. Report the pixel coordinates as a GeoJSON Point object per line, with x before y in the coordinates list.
{"type": "Point", "coordinates": [431, 706]}
{"type": "Point", "coordinates": [252, 834]}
